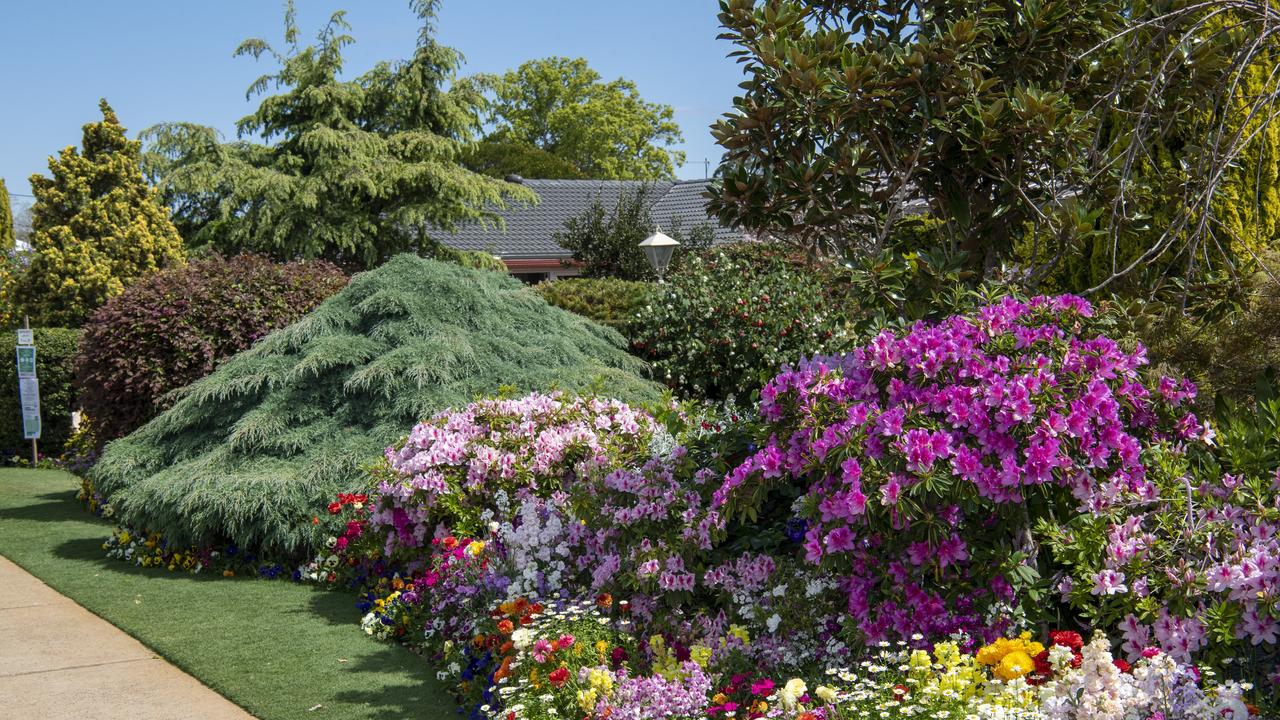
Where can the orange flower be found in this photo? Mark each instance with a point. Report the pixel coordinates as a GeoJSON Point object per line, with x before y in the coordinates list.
{"type": "Point", "coordinates": [506, 647]}
{"type": "Point", "coordinates": [604, 600]}
{"type": "Point", "coordinates": [505, 627]}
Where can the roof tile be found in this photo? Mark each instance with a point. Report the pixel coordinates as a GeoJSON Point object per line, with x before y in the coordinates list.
{"type": "Point", "coordinates": [529, 228]}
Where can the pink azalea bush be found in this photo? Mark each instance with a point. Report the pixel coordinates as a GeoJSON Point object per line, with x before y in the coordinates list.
{"type": "Point", "coordinates": [1193, 567]}
{"type": "Point", "coordinates": [458, 467]}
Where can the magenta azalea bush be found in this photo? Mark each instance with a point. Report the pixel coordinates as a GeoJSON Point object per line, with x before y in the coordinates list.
{"type": "Point", "coordinates": [923, 460]}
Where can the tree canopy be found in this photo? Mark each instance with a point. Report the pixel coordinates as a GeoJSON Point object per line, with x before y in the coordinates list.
{"type": "Point", "coordinates": [1039, 135]}
{"type": "Point", "coordinates": [853, 110]}
{"type": "Point", "coordinates": [7, 238]}
{"type": "Point", "coordinates": [562, 107]}
{"type": "Point", "coordinates": [354, 171]}
{"type": "Point", "coordinates": [96, 226]}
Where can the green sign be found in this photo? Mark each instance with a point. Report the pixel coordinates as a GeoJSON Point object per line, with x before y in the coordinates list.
{"type": "Point", "coordinates": [29, 392]}
{"type": "Point", "coordinates": [26, 361]}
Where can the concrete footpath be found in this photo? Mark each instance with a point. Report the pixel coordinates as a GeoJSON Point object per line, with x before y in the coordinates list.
{"type": "Point", "coordinates": [58, 660]}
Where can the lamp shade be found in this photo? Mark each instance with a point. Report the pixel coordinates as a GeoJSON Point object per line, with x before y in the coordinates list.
{"type": "Point", "coordinates": [658, 248]}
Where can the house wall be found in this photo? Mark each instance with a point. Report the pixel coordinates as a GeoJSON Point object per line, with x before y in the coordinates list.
{"type": "Point", "coordinates": [536, 270]}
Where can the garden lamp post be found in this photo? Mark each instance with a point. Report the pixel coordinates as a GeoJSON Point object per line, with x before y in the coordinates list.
{"type": "Point", "coordinates": [657, 249]}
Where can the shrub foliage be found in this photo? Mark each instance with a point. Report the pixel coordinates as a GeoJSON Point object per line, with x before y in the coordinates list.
{"type": "Point", "coordinates": [250, 452]}
{"type": "Point", "coordinates": [616, 303]}
{"type": "Point", "coordinates": [55, 353]}
{"type": "Point", "coordinates": [728, 319]}
{"type": "Point", "coordinates": [174, 327]}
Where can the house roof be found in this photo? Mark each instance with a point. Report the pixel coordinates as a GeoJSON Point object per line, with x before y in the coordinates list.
{"type": "Point", "coordinates": [529, 228]}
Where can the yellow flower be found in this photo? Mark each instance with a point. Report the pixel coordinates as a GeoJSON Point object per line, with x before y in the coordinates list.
{"type": "Point", "coordinates": [587, 700]}
{"type": "Point", "coordinates": [475, 548]}
{"type": "Point", "coordinates": [920, 659]}
{"type": "Point", "coordinates": [740, 633]}
{"type": "Point", "coordinates": [825, 694]}
{"type": "Point", "coordinates": [1013, 665]}
{"type": "Point", "coordinates": [600, 679]}
{"type": "Point", "coordinates": [700, 654]}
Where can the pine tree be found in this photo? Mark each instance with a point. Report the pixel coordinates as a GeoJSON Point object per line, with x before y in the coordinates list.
{"type": "Point", "coordinates": [7, 239]}
{"type": "Point", "coordinates": [353, 171]}
{"type": "Point", "coordinates": [96, 226]}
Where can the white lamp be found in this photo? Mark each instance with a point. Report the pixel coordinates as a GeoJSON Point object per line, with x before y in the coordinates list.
{"type": "Point", "coordinates": [658, 248]}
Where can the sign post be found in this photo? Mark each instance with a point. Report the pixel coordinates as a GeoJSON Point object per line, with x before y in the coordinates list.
{"type": "Point", "coordinates": [29, 388]}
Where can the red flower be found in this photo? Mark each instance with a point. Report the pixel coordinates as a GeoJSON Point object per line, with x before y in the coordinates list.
{"type": "Point", "coordinates": [618, 656]}
{"type": "Point", "coordinates": [1122, 664]}
{"type": "Point", "coordinates": [1067, 639]}
{"type": "Point", "coordinates": [335, 508]}
{"type": "Point", "coordinates": [559, 676]}
{"type": "Point", "coordinates": [1042, 663]}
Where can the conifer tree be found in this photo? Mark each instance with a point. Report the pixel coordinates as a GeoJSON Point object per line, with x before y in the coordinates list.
{"type": "Point", "coordinates": [7, 239]}
{"type": "Point", "coordinates": [96, 226]}
{"type": "Point", "coordinates": [353, 171]}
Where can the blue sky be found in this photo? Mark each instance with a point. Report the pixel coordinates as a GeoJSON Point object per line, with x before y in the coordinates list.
{"type": "Point", "coordinates": [161, 60]}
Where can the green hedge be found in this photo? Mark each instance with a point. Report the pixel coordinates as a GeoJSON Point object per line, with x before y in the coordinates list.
{"type": "Point", "coordinates": [608, 301]}
{"type": "Point", "coordinates": [55, 368]}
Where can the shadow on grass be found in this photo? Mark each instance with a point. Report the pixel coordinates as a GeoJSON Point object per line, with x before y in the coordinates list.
{"type": "Point", "coordinates": [90, 550]}
{"type": "Point", "coordinates": [58, 506]}
{"type": "Point", "coordinates": [336, 607]}
{"type": "Point", "coordinates": [422, 697]}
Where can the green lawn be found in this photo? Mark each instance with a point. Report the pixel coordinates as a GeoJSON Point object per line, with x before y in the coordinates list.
{"type": "Point", "coordinates": [275, 648]}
